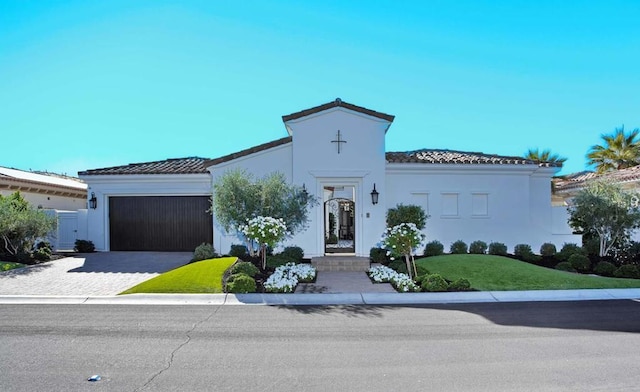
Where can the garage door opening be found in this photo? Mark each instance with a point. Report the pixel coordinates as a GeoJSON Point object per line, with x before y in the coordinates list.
{"type": "Point", "coordinates": [159, 223]}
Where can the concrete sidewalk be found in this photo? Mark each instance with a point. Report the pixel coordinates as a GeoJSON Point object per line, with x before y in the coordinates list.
{"type": "Point", "coordinates": [334, 299]}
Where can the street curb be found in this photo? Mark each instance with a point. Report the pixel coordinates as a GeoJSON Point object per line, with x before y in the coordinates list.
{"type": "Point", "coordinates": [330, 299]}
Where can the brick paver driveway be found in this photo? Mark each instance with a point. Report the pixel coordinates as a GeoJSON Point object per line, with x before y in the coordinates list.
{"type": "Point", "coordinates": [93, 274]}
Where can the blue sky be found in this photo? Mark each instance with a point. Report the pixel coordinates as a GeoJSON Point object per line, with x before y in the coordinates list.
{"type": "Point", "coordinates": [89, 84]}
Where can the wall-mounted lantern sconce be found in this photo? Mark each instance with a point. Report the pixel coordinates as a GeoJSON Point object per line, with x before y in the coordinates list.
{"type": "Point", "coordinates": [374, 195]}
{"type": "Point", "coordinates": [304, 190]}
{"type": "Point", "coordinates": [93, 202]}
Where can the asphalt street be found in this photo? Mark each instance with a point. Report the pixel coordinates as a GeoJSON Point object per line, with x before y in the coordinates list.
{"type": "Point", "coordinates": [525, 346]}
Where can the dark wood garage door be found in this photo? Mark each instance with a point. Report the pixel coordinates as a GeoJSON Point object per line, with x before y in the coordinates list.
{"type": "Point", "coordinates": [159, 223]}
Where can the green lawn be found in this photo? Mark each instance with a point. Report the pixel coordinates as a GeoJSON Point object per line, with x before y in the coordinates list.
{"type": "Point", "coordinates": [6, 265]}
{"type": "Point", "coordinates": [486, 272]}
{"type": "Point", "coordinates": [200, 277]}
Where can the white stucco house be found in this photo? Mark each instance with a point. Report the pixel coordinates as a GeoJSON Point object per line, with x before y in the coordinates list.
{"type": "Point", "coordinates": [62, 196]}
{"type": "Point", "coordinates": [567, 187]}
{"type": "Point", "coordinates": [337, 151]}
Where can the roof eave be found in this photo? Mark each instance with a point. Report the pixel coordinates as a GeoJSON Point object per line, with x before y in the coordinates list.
{"type": "Point", "coordinates": [334, 104]}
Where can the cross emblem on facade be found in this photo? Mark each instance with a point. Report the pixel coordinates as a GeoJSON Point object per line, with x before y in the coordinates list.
{"type": "Point", "coordinates": [339, 141]}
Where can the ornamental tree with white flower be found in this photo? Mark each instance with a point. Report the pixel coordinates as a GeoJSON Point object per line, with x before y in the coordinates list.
{"type": "Point", "coordinates": [239, 196]}
{"type": "Point", "coordinates": [266, 231]}
{"type": "Point", "coordinates": [402, 240]}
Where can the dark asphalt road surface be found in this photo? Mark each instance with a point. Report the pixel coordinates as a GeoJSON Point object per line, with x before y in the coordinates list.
{"type": "Point", "coordinates": [561, 346]}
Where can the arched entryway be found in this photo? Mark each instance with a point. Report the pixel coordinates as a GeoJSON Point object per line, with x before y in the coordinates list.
{"type": "Point", "coordinates": [339, 225]}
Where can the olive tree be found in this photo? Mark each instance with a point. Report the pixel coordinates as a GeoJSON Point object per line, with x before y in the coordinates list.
{"type": "Point", "coordinates": [607, 210]}
{"type": "Point", "coordinates": [239, 197]}
{"type": "Point", "coordinates": [21, 225]}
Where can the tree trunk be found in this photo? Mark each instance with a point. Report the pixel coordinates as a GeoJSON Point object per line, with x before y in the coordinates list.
{"type": "Point", "coordinates": [413, 263]}
{"type": "Point", "coordinates": [263, 255]}
{"type": "Point", "coordinates": [407, 260]}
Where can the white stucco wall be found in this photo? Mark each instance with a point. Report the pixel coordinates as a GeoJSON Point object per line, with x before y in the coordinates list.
{"type": "Point", "coordinates": [360, 163]}
{"type": "Point", "coordinates": [260, 164]}
{"type": "Point", "coordinates": [105, 186]}
{"type": "Point", "coordinates": [53, 202]}
{"type": "Point", "coordinates": [313, 160]}
{"type": "Point", "coordinates": [492, 203]}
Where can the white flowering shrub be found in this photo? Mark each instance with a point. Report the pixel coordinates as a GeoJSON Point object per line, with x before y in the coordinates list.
{"type": "Point", "coordinates": [286, 277]}
{"type": "Point", "coordinates": [402, 240]}
{"type": "Point", "coordinates": [266, 231]}
{"type": "Point", "coordinates": [381, 274]}
{"type": "Point", "coordinates": [401, 282]}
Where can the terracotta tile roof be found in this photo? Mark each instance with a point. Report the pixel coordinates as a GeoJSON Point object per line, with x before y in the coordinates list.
{"type": "Point", "coordinates": [336, 103]}
{"type": "Point", "coordinates": [578, 180]}
{"type": "Point", "coordinates": [460, 157]}
{"type": "Point", "coordinates": [248, 151]}
{"type": "Point", "coordinates": [191, 165]}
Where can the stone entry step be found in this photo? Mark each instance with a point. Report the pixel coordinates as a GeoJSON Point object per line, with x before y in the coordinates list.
{"type": "Point", "coordinates": [341, 264]}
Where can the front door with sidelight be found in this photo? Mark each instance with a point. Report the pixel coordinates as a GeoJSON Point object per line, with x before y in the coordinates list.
{"type": "Point", "coordinates": [339, 219]}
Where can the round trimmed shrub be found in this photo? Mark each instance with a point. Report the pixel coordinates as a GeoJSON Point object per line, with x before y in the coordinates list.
{"type": "Point", "coordinates": [276, 261]}
{"type": "Point", "coordinates": [406, 214]}
{"type": "Point", "coordinates": [203, 251]}
{"type": "Point", "coordinates": [565, 266]}
{"type": "Point", "coordinates": [461, 284]}
{"type": "Point", "coordinates": [43, 251]}
{"type": "Point", "coordinates": [378, 255]}
{"type": "Point", "coordinates": [239, 251]}
{"type": "Point", "coordinates": [548, 250]}
{"type": "Point", "coordinates": [522, 250]}
{"type": "Point", "coordinates": [580, 262]}
{"type": "Point", "coordinates": [241, 283]}
{"type": "Point", "coordinates": [458, 247]}
{"type": "Point", "coordinates": [434, 248]}
{"type": "Point", "coordinates": [567, 250]}
{"type": "Point", "coordinates": [294, 253]}
{"type": "Point", "coordinates": [244, 267]}
{"type": "Point", "coordinates": [84, 246]}
{"type": "Point", "coordinates": [627, 271]}
{"type": "Point", "coordinates": [605, 268]}
{"type": "Point", "coordinates": [399, 266]}
{"type": "Point", "coordinates": [478, 247]}
{"type": "Point", "coordinates": [434, 282]}
{"type": "Point", "coordinates": [42, 254]}
{"type": "Point", "coordinates": [498, 249]}
{"type": "Point", "coordinates": [421, 277]}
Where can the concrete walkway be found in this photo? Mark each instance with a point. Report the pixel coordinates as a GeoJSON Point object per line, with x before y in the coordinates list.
{"type": "Point", "coordinates": [91, 274]}
{"type": "Point", "coordinates": [343, 282]}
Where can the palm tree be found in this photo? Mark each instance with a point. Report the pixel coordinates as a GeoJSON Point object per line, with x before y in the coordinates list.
{"type": "Point", "coordinates": [544, 156]}
{"type": "Point", "coordinates": [620, 150]}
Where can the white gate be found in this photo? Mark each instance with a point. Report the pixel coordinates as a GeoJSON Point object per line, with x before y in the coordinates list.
{"type": "Point", "coordinates": [67, 230]}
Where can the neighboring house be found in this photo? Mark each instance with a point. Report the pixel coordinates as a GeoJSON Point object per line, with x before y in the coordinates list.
{"type": "Point", "coordinates": [566, 187]}
{"type": "Point", "coordinates": [44, 190]}
{"type": "Point", "coordinates": [337, 152]}
{"type": "Point", "coordinates": [63, 196]}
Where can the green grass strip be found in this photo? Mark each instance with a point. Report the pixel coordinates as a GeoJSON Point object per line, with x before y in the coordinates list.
{"type": "Point", "coordinates": [488, 272]}
{"type": "Point", "coordinates": [200, 277]}
{"type": "Point", "coordinates": [6, 265]}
